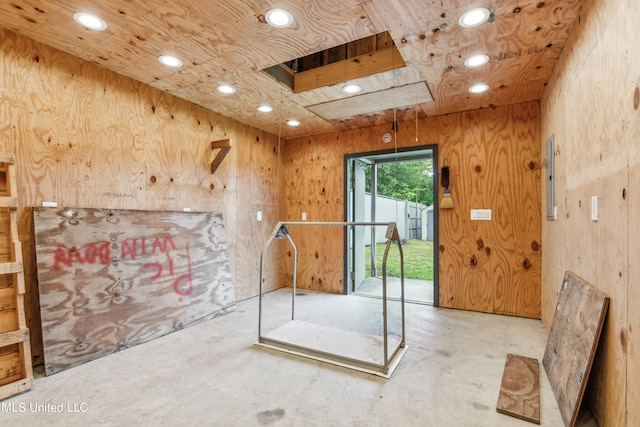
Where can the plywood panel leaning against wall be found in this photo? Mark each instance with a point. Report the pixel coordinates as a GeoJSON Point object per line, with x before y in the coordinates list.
{"type": "Point", "coordinates": [16, 374]}
{"type": "Point", "coordinates": [572, 343]}
{"type": "Point", "coordinates": [494, 159]}
{"type": "Point", "coordinates": [112, 279]}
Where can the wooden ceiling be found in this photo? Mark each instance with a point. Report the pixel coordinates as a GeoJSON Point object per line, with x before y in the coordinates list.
{"type": "Point", "coordinates": [229, 42]}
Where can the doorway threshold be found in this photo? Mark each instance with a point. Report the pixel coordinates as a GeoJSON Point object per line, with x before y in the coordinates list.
{"type": "Point", "coordinates": [415, 291]}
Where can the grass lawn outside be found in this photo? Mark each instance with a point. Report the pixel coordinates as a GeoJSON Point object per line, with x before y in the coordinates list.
{"type": "Point", "coordinates": [418, 259]}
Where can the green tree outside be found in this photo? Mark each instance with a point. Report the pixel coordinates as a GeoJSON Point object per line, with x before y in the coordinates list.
{"type": "Point", "coordinates": [408, 180]}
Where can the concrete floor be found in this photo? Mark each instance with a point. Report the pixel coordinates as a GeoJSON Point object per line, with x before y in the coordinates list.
{"type": "Point", "coordinates": [212, 374]}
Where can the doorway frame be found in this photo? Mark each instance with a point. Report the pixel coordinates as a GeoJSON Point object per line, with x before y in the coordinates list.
{"type": "Point", "coordinates": [436, 228]}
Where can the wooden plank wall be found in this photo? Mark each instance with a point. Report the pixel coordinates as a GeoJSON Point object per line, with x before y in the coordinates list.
{"type": "Point", "coordinates": [592, 106]}
{"type": "Point", "coordinates": [494, 156]}
{"type": "Point", "coordinates": [87, 137]}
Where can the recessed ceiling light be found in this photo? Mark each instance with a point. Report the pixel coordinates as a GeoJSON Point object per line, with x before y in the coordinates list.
{"type": "Point", "coordinates": [474, 17]}
{"type": "Point", "coordinates": [278, 18]}
{"type": "Point", "coordinates": [293, 122]}
{"type": "Point", "coordinates": [265, 108]}
{"type": "Point", "coordinates": [170, 61]}
{"type": "Point", "coordinates": [226, 89]}
{"type": "Point", "coordinates": [92, 22]}
{"type": "Point", "coordinates": [351, 88]}
{"type": "Point", "coordinates": [476, 61]}
{"type": "Point", "coordinates": [479, 88]}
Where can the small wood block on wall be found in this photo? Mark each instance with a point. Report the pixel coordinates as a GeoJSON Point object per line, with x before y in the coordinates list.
{"type": "Point", "coordinates": [221, 149]}
{"type": "Point", "coordinates": [112, 279]}
{"type": "Point", "coordinates": [520, 389]}
{"type": "Point", "coordinates": [572, 343]}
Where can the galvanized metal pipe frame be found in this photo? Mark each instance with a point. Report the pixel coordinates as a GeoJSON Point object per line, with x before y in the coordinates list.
{"type": "Point", "coordinates": [281, 231]}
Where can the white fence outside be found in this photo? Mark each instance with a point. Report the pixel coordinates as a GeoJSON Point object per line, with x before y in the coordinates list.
{"type": "Point", "coordinates": [414, 220]}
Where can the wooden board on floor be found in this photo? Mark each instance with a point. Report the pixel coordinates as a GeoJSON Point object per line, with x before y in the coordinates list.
{"type": "Point", "coordinates": [112, 279]}
{"type": "Point", "coordinates": [520, 388]}
{"type": "Point", "coordinates": [572, 343]}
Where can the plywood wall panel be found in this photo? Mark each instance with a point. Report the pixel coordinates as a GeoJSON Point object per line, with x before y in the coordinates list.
{"type": "Point", "coordinates": [88, 137]}
{"type": "Point", "coordinates": [173, 165]}
{"type": "Point", "coordinates": [253, 238]}
{"type": "Point", "coordinates": [314, 180]}
{"type": "Point", "coordinates": [514, 170]}
{"type": "Point", "coordinates": [82, 132]}
{"type": "Point", "coordinates": [603, 261]}
{"type": "Point", "coordinates": [495, 165]}
{"type": "Point", "coordinates": [553, 231]}
{"type": "Point", "coordinates": [481, 149]}
{"type": "Point", "coordinates": [452, 237]}
{"type": "Point", "coordinates": [595, 120]}
{"type": "Point", "coordinates": [260, 176]}
{"type": "Point", "coordinates": [633, 295]}
{"type": "Point", "coordinates": [472, 288]}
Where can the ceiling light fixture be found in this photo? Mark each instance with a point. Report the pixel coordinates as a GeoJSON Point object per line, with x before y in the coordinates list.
{"type": "Point", "coordinates": [293, 122]}
{"type": "Point", "coordinates": [479, 88]}
{"type": "Point", "coordinates": [90, 21]}
{"type": "Point", "coordinates": [265, 108]}
{"type": "Point", "coordinates": [170, 61]}
{"type": "Point", "coordinates": [476, 61]}
{"type": "Point", "coordinates": [227, 89]}
{"type": "Point", "coordinates": [474, 17]}
{"type": "Point", "coordinates": [351, 88]}
{"type": "Point", "coordinates": [278, 18]}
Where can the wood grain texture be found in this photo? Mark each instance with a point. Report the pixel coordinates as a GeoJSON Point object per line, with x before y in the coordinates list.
{"type": "Point", "coordinates": [16, 372]}
{"type": "Point", "coordinates": [85, 136]}
{"type": "Point", "coordinates": [513, 167]}
{"type": "Point", "coordinates": [400, 96]}
{"type": "Point", "coordinates": [314, 179]}
{"type": "Point", "coordinates": [112, 279]}
{"type": "Point", "coordinates": [10, 365]}
{"type": "Point", "coordinates": [596, 132]}
{"type": "Point", "coordinates": [494, 159]}
{"type": "Point", "coordinates": [631, 335]}
{"type": "Point", "coordinates": [520, 388]}
{"type": "Point", "coordinates": [229, 42]}
{"type": "Point", "coordinates": [494, 163]}
{"type": "Point", "coordinates": [572, 343]}
{"type": "Point", "coordinates": [602, 260]}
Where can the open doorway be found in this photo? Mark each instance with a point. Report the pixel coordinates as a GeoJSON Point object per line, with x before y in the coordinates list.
{"type": "Point", "coordinates": [398, 186]}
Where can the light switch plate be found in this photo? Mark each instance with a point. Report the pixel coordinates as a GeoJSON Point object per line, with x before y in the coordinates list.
{"type": "Point", "coordinates": [594, 208]}
{"type": "Point", "coordinates": [259, 216]}
{"type": "Point", "coordinates": [481, 214]}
